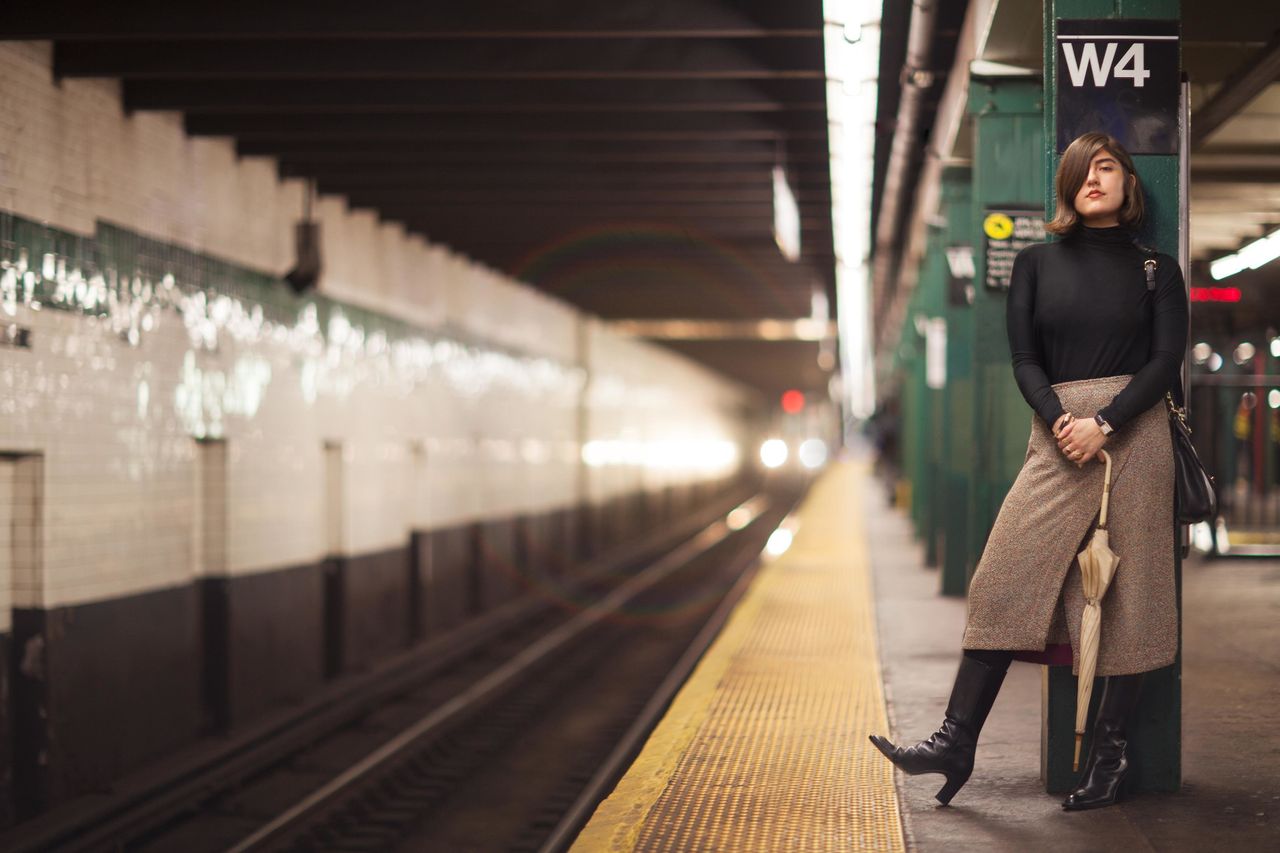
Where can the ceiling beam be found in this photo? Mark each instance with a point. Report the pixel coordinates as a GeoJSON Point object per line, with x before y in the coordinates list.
{"type": "Point", "coordinates": [573, 196]}
{"type": "Point", "coordinates": [514, 251]}
{"type": "Point", "coordinates": [771, 366]}
{"type": "Point", "coordinates": [550, 218]}
{"type": "Point", "coordinates": [353, 131]}
{"type": "Point", "coordinates": [614, 124]}
{"type": "Point", "coordinates": [755, 259]}
{"type": "Point", "coordinates": [536, 152]}
{"type": "Point", "coordinates": [789, 292]}
{"type": "Point", "coordinates": [1205, 21]}
{"type": "Point", "coordinates": [556, 179]}
{"type": "Point", "coordinates": [694, 201]}
{"type": "Point", "coordinates": [474, 96]}
{"type": "Point", "coordinates": [398, 19]}
{"type": "Point", "coordinates": [553, 177]}
{"type": "Point", "coordinates": [656, 293]}
{"type": "Point", "coordinates": [213, 95]}
{"type": "Point", "coordinates": [1244, 175]}
{"type": "Point", "coordinates": [479, 231]}
{"type": "Point", "coordinates": [441, 60]}
{"type": "Point", "coordinates": [672, 276]}
{"type": "Point", "coordinates": [1243, 85]}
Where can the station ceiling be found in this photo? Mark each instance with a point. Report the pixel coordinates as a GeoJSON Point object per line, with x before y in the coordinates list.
{"type": "Point", "coordinates": [616, 155]}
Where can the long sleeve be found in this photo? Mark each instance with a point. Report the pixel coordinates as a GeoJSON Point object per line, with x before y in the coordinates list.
{"type": "Point", "coordinates": [1168, 345]}
{"type": "Point", "coordinates": [1028, 368]}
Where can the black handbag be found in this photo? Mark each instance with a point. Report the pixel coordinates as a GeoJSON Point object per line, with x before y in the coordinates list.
{"type": "Point", "coordinates": [1195, 497]}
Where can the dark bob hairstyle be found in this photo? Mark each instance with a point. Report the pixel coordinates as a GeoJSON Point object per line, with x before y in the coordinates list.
{"type": "Point", "coordinates": [1073, 171]}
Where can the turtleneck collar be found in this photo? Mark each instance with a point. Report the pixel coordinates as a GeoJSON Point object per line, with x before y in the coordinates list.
{"type": "Point", "coordinates": [1112, 237]}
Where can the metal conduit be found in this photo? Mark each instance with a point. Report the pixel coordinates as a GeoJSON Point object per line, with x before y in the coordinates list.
{"type": "Point", "coordinates": [916, 79]}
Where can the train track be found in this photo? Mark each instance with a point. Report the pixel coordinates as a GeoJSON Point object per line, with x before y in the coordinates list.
{"type": "Point", "coordinates": [506, 743]}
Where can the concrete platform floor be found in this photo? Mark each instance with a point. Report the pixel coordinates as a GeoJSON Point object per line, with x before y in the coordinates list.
{"type": "Point", "coordinates": [1230, 799]}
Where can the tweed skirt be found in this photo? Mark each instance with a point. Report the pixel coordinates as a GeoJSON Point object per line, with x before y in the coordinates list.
{"type": "Point", "coordinates": [1027, 591]}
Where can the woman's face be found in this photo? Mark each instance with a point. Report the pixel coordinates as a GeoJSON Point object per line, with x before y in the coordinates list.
{"type": "Point", "coordinates": [1102, 194]}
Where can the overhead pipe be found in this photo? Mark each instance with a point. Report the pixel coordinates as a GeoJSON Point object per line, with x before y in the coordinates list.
{"type": "Point", "coordinates": [916, 79]}
{"type": "Point", "coordinates": [928, 189]}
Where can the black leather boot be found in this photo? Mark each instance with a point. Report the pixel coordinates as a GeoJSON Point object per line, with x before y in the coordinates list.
{"type": "Point", "coordinates": [950, 749]}
{"type": "Point", "coordinates": [1107, 765]}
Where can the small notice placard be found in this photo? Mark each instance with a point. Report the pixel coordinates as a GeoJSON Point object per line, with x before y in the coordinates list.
{"type": "Point", "coordinates": [1005, 233]}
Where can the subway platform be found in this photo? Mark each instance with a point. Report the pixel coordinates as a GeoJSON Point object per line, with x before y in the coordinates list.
{"type": "Point", "coordinates": [765, 748]}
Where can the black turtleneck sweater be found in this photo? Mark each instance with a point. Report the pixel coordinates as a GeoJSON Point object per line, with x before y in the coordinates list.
{"type": "Point", "coordinates": [1080, 309]}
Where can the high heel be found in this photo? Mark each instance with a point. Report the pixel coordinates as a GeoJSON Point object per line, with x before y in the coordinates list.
{"type": "Point", "coordinates": [950, 750]}
{"type": "Point", "coordinates": [1102, 782]}
{"type": "Point", "coordinates": [949, 790]}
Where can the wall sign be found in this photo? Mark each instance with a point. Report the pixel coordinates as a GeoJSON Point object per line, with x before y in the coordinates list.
{"type": "Point", "coordinates": [960, 275]}
{"type": "Point", "coordinates": [1004, 234]}
{"type": "Point", "coordinates": [935, 353]}
{"type": "Point", "coordinates": [1119, 77]}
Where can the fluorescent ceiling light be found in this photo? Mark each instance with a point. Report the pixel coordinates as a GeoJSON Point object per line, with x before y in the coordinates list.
{"type": "Point", "coordinates": [852, 42]}
{"type": "Point", "coordinates": [1258, 253]}
{"type": "Point", "coordinates": [987, 68]}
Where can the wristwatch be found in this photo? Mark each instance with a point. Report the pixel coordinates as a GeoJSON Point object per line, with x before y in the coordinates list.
{"type": "Point", "coordinates": [1106, 428]}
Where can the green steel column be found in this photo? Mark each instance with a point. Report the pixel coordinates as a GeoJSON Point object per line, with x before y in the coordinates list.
{"type": "Point", "coordinates": [909, 356]}
{"type": "Point", "coordinates": [1007, 173]}
{"type": "Point", "coordinates": [920, 394]}
{"type": "Point", "coordinates": [919, 416]}
{"type": "Point", "coordinates": [957, 406]}
{"type": "Point", "coordinates": [931, 304]}
{"type": "Point", "coordinates": [1155, 737]}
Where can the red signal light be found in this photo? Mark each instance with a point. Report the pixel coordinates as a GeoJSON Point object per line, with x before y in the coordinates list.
{"type": "Point", "coordinates": [1215, 294]}
{"type": "Point", "coordinates": [792, 401]}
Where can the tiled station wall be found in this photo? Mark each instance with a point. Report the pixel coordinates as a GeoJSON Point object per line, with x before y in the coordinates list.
{"type": "Point", "coordinates": [217, 494]}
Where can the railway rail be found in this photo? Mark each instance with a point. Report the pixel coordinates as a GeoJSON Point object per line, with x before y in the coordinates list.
{"type": "Point", "coordinates": [503, 737]}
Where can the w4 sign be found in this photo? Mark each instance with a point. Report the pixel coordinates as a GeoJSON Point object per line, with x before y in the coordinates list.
{"type": "Point", "coordinates": [1120, 77]}
{"type": "Point", "coordinates": [1132, 65]}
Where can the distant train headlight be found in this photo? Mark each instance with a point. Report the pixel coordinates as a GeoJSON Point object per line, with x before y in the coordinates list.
{"type": "Point", "coordinates": [779, 541]}
{"type": "Point", "coordinates": [813, 453]}
{"type": "Point", "coordinates": [773, 453]}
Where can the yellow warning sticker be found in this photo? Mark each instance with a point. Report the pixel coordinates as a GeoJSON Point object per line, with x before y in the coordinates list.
{"type": "Point", "coordinates": [998, 226]}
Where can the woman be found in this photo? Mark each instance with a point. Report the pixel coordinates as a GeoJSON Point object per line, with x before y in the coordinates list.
{"type": "Point", "coordinates": [1095, 347]}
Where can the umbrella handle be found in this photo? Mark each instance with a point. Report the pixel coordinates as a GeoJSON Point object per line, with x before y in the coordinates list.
{"type": "Point", "coordinates": [1106, 490]}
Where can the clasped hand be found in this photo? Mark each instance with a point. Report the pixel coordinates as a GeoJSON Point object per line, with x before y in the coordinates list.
{"type": "Point", "coordinates": [1079, 440]}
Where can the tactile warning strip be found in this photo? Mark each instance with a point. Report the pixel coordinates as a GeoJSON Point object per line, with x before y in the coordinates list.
{"type": "Point", "coordinates": [766, 746]}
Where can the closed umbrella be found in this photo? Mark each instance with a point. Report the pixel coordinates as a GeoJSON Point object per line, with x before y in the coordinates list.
{"type": "Point", "coordinates": [1097, 567]}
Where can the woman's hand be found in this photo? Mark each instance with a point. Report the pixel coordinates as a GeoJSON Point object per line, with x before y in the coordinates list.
{"type": "Point", "coordinates": [1080, 440]}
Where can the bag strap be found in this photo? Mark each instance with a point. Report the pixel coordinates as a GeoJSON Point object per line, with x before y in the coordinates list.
{"type": "Point", "coordinates": [1149, 264]}
{"type": "Point", "coordinates": [1176, 398]}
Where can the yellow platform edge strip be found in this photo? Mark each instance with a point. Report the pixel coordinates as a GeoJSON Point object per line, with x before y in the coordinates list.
{"type": "Point", "coordinates": [619, 821]}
